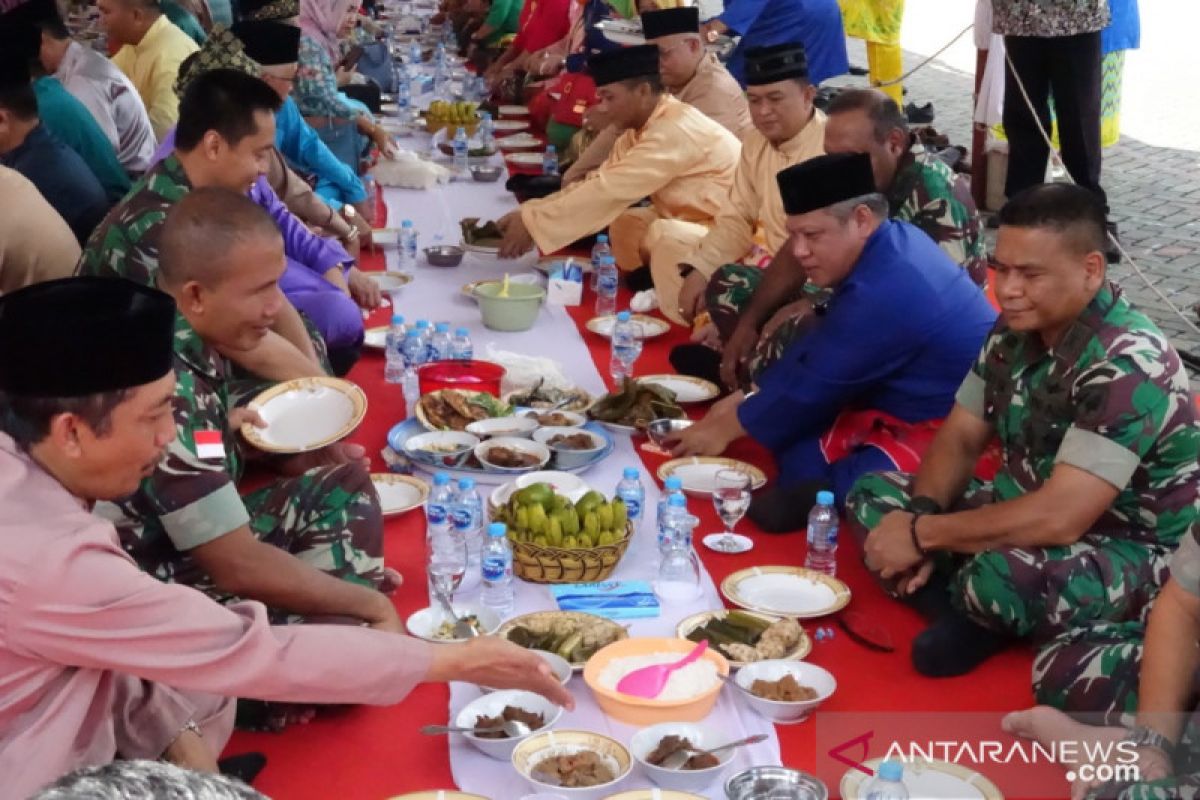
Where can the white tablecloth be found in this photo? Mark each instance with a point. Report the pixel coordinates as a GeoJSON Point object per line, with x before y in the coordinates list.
{"type": "Point", "coordinates": [435, 295]}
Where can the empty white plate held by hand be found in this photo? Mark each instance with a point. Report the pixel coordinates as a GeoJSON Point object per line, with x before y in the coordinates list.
{"type": "Point", "coordinates": [306, 414]}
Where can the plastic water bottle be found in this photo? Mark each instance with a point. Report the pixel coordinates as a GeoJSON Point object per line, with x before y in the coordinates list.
{"type": "Point", "coordinates": [439, 54]}
{"type": "Point", "coordinates": [599, 250]}
{"type": "Point", "coordinates": [631, 491]}
{"type": "Point", "coordinates": [626, 347]}
{"type": "Point", "coordinates": [403, 92]}
{"type": "Point", "coordinates": [671, 486]}
{"type": "Point", "coordinates": [606, 286]}
{"type": "Point", "coordinates": [437, 507]}
{"type": "Point", "coordinates": [487, 131]}
{"type": "Point", "coordinates": [888, 783]}
{"type": "Point", "coordinates": [414, 53]}
{"type": "Point", "coordinates": [460, 345]}
{"type": "Point", "coordinates": [466, 518]}
{"type": "Point", "coordinates": [822, 535]}
{"type": "Point", "coordinates": [448, 35]}
{"type": "Point", "coordinates": [393, 371]}
{"type": "Point", "coordinates": [440, 343]}
{"type": "Point", "coordinates": [426, 334]}
{"type": "Point", "coordinates": [408, 245]}
{"type": "Point", "coordinates": [679, 569]}
{"type": "Point", "coordinates": [439, 76]}
{"type": "Point", "coordinates": [414, 347]}
{"type": "Point", "coordinates": [461, 150]}
{"type": "Point", "coordinates": [550, 160]}
{"type": "Point", "coordinates": [497, 571]}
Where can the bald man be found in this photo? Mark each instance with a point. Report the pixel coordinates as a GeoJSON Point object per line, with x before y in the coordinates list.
{"type": "Point", "coordinates": [152, 50]}
{"type": "Point", "coordinates": [689, 72]}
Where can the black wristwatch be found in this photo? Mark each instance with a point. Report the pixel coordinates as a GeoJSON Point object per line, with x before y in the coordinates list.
{"type": "Point", "coordinates": [1141, 736]}
{"type": "Point", "coordinates": [924, 505]}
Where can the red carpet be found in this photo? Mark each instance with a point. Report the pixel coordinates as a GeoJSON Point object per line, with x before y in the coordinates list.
{"type": "Point", "coordinates": [374, 753]}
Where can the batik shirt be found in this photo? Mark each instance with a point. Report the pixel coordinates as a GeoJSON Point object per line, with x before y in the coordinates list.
{"type": "Point", "coordinates": [126, 243]}
{"type": "Point", "coordinates": [927, 193]}
{"type": "Point", "coordinates": [1111, 398]}
{"type": "Point", "coordinates": [192, 497]}
{"type": "Point", "coordinates": [1048, 17]}
{"type": "Point", "coordinates": [316, 91]}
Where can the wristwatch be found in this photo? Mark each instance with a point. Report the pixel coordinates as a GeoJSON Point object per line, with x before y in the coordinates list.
{"type": "Point", "coordinates": [1141, 736]}
{"type": "Point", "coordinates": [924, 505]}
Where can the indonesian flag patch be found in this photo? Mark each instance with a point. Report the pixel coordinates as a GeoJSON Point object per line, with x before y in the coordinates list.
{"type": "Point", "coordinates": [209, 445]}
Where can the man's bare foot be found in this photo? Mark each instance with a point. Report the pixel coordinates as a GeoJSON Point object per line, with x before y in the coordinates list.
{"type": "Point", "coordinates": [1045, 725]}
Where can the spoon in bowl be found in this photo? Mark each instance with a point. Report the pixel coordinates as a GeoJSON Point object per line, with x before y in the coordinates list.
{"type": "Point", "coordinates": [649, 682]}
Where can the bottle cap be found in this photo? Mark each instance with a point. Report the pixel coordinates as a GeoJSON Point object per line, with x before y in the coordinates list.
{"type": "Point", "coordinates": [631, 473]}
{"type": "Point", "coordinates": [550, 148]}
{"type": "Point", "coordinates": [412, 333]}
{"type": "Point", "coordinates": [462, 332]}
{"type": "Point", "coordinates": [422, 323]}
{"type": "Point", "coordinates": [397, 319]}
{"type": "Point", "coordinates": [602, 238]}
{"type": "Point", "coordinates": [609, 260]}
{"type": "Point", "coordinates": [497, 530]}
{"type": "Point", "coordinates": [825, 498]}
{"type": "Point", "coordinates": [441, 479]}
{"type": "Point", "coordinates": [466, 483]}
{"type": "Point", "coordinates": [677, 501]}
{"type": "Point", "coordinates": [673, 483]}
{"type": "Point", "coordinates": [891, 770]}
{"type": "Point", "coordinates": [460, 130]}
{"type": "Point", "coordinates": [623, 316]}
{"type": "Point", "coordinates": [442, 327]}
{"type": "Point", "coordinates": [406, 224]}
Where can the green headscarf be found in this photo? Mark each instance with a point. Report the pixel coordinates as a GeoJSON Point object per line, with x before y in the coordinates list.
{"type": "Point", "coordinates": [223, 50]}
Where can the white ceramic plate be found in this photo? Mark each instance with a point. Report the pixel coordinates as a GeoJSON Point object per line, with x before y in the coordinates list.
{"type": "Point", "coordinates": [510, 125]}
{"type": "Point", "coordinates": [699, 473]}
{"type": "Point", "coordinates": [375, 338]}
{"type": "Point", "coordinates": [513, 111]}
{"type": "Point", "coordinates": [382, 237]}
{"type": "Point", "coordinates": [424, 623]}
{"type": "Point", "coordinates": [399, 493]}
{"type": "Point", "coordinates": [650, 326]}
{"type": "Point", "coordinates": [928, 779]}
{"type": "Point", "coordinates": [687, 389]}
{"type": "Point", "coordinates": [620, 31]}
{"type": "Point", "coordinates": [524, 159]}
{"type": "Point", "coordinates": [390, 281]}
{"type": "Point", "coordinates": [786, 591]}
{"type": "Point", "coordinates": [519, 141]}
{"type": "Point", "coordinates": [306, 414]}
{"type": "Point", "coordinates": [550, 263]}
{"type": "Point", "coordinates": [731, 544]}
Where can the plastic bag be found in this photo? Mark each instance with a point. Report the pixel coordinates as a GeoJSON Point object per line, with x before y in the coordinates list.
{"type": "Point", "coordinates": [524, 372]}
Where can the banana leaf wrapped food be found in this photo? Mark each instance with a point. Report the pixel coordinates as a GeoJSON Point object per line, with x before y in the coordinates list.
{"type": "Point", "coordinates": [486, 235]}
{"type": "Point", "coordinates": [636, 405]}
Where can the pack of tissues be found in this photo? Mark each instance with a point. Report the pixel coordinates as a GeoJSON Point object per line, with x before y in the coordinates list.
{"type": "Point", "coordinates": [566, 284]}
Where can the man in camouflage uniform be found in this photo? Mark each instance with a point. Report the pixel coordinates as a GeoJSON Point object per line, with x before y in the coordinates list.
{"type": "Point", "coordinates": [309, 544]}
{"type": "Point", "coordinates": [1094, 416]}
{"type": "Point", "coordinates": [920, 189]}
{"type": "Point", "coordinates": [126, 243]}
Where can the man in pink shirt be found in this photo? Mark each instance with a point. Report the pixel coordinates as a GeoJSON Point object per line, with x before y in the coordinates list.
{"type": "Point", "coordinates": [98, 659]}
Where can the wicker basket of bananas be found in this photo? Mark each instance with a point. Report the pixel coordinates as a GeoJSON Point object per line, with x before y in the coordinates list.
{"type": "Point", "coordinates": [557, 541]}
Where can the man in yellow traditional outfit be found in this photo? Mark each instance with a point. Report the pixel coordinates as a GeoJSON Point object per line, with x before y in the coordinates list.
{"type": "Point", "coordinates": [670, 152]}
{"type": "Point", "coordinates": [877, 22]}
{"type": "Point", "coordinates": [689, 72]}
{"type": "Point", "coordinates": [751, 225]}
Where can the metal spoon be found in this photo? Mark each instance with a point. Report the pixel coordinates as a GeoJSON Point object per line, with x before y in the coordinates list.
{"type": "Point", "coordinates": [462, 629]}
{"type": "Point", "coordinates": [512, 728]}
{"type": "Point", "coordinates": [680, 757]}
{"type": "Point", "coordinates": [733, 682]}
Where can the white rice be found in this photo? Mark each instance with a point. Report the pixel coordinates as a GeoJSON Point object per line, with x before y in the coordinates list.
{"type": "Point", "coordinates": [693, 680]}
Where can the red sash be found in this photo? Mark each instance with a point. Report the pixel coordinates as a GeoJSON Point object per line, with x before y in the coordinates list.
{"type": "Point", "coordinates": [903, 442]}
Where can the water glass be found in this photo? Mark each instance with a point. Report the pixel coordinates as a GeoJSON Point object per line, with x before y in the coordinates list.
{"type": "Point", "coordinates": [445, 563]}
{"type": "Point", "coordinates": [731, 499]}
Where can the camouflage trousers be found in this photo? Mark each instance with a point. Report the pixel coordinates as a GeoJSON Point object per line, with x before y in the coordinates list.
{"type": "Point", "coordinates": [1040, 593]}
{"type": "Point", "coordinates": [729, 291]}
{"type": "Point", "coordinates": [328, 517]}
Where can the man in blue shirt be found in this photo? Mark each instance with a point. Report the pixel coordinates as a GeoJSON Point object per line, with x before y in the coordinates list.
{"type": "Point", "coordinates": [817, 24]}
{"type": "Point", "coordinates": [55, 169]}
{"type": "Point", "coordinates": [878, 368]}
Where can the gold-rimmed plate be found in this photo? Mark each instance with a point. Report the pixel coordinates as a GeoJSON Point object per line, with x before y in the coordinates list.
{"type": "Point", "coordinates": [375, 338]}
{"type": "Point", "coordinates": [699, 473]}
{"type": "Point", "coordinates": [548, 264]}
{"type": "Point", "coordinates": [398, 493]}
{"type": "Point", "coordinates": [650, 326]}
{"type": "Point", "coordinates": [597, 628]}
{"type": "Point", "coordinates": [390, 281]}
{"type": "Point", "coordinates": [439, 794]}
{"type": "Point", "coordinates": [922, 778]}
{"type": "Point", "coordinates": [689, 624]}
{"type": "Point", "coordinates": [513, 111]}
{"type": "Point", "coordinates": [481, 249]}
{"type": "Point", "coordinates": [306, 414]}
{"type": "Point", "coordinates": [786, 591]}
{"type": "Point", "coordinates": [524, 159]}
{"type": "Point", "coordinates": [510, 125]}
{"type": "Point", "coordinates": [686, 388]}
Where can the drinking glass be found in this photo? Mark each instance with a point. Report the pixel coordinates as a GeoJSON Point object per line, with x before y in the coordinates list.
{"type": "Point", "coordinates": [679, 571]}
{"type": "Point", "coordinates": [731, 499]}
{"type": "Point", "coordinates": [445, 564]}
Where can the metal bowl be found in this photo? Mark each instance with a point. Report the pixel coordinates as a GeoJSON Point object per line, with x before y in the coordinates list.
{"type": "Point", "coordinates": [660, 430]}
{"type": "Point", "coordinates": [444, 255]}
{"type": "Point", "coordinates": [486, 174]}
{"type": "Point", "coordinates": [774, 783]}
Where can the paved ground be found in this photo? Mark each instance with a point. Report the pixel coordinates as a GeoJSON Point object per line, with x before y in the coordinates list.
{"type": "Point", "coordinates": [1154, 193]}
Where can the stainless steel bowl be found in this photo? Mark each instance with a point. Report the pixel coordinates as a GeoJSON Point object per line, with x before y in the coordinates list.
{"type": "Point", "coordinates": [486, 174]}
{"type": "Point", "coordinates": [444, 255]}
{"type": "Point", "coordinates": [660, 430]}
{"type": "Point", "coordinates": [775, 783]}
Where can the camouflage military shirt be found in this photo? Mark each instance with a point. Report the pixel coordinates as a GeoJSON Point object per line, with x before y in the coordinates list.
{"type": "Point", "coordinates": [192, 497]}
{"type": "Point", "coordinates": [1111, 398]}
{"type": "Point", "coordinates": [927, 193]}
{"type": "Point", "coordinates": [125, 245]}
{"type": "Point", "coordinates": [1049, 17]}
